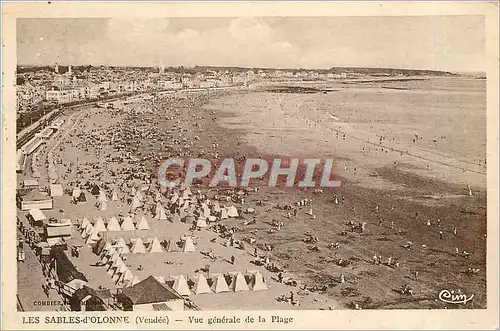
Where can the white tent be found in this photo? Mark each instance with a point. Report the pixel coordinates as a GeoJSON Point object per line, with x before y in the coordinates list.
{"type": "Point", "coordinates": [201, 285]}
{"type": "Point", "coordinates": [223, 214]}
{"type": "Point", "coordinates": [126, 277]}
{"type": "Point", "coordinates": [123, 250]}
{"type": "Point", "coordinates": [219, 284]}
{"type": "Point", "coordinates": [93, 237]}
{"type": "Point", "coordinates": [232, 211]}
{"type": "Point", "coordinates": [186, 193]}
{"type": "Point", "coordinates": [88, 230]}
{"type": "Point", "coordinates": [181, 286]}
{"type": "Point", "coordinates": [103, 206]}
{"type": "Point", "coordinates": [217, 208]}
{"type": "Point", "coordinates": [138, 247]}
{"type": "Point", "coordinates": [158, 207]}
{"type": "Point", "coordinates": [188, 245]}
{"type": "Point", "coordinates": [76, 193]}
{"type": "Point", "coordinates": [85, 223]}
{"type": "Point", "coordinates": [136, 203]}
{"type": "Point", "coordinates": [107, 246]}
{"type": "Point", "coordinates": [56, 190]}
{"type": "Point", "coordinates": [114, 196]}
{"type": "Point", "coordinates": [143, 224]}
{"type": "Point", "coordinates": [238, 283]}
{"type": "Point", "coordinates": [155, 246]}
{"type": "Point", "coordinates": [102, 196]}
{"type": "Point", "coordinates": [161, 215]}
{"type": "Point", "coordinates": [174, 198]}
{"type": "Point", "coordinates": [120, 243]}
{"type": "Point", "coordinates": [111, 252]}
{"type": "Point", "coordinates": [201, 223]}
{"type": "Point", "coordinates": [134, 281]}
{"type": "Point", "coordinates": [99, 225]}
{"type": "Point", "coordinates": [206, 210]}
{"type": "Point", "coordinates": [257, 282]}
{"type": "Point", "coordinates": [113, 224]}
{"type": "Point", "coordinates": [128, 224]}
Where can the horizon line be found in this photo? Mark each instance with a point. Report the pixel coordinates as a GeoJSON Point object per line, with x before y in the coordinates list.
{"type": "Point", "coordinates": [252, 67]}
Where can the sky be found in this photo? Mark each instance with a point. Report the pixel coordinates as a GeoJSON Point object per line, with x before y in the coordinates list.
{"type": "Point", "coordinates": [451, 43]}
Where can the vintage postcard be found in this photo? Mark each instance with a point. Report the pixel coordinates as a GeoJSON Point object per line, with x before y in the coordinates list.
{"type": "Point", "coordinates": [252, 165]}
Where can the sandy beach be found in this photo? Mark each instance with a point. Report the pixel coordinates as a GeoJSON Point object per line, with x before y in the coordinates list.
{"type": "Point", "coordinates": [392, 184]}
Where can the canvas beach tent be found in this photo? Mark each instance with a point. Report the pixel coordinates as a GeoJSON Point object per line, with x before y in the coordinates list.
{"type": "Point", "coordinates": [206, 210]}
{"type": "Point", "coordinates": [223, 214]}
{"type": "Point", "coordinates": [88, 230]}
{"type": "Point", "coordinates": [201, 223]}
{"type": "Point", "coordinates": [93, 237]}
{"type": "Point", "coordinates": [232, 211]}
{"type": "Point", "coordinates": [103, 206]}
{"type": "Point", "coordinates": [123, 249]}
{"type": "Point", "coordinates": [114, 196]}
{"type": "Point", "coordinates": [85, 223]}
{"type": "Point", "coordinates": [128, 224]}
{"type": "Point", "coordinates": [99, 225]}
{"type": "Point", "coordinates": [188, 245]}
{"type": "Point", "coordinates": [120, 243]}
{"type": "Point", "coordinates": [158, 207]}
{"type": "Point", "coordinates": [219, 284]}
{"type": "Point", "coordinates": [113, 224]}
{"type": "Point", "coordinates": [216, 207]}
{"type": "Point", "coordinates": [56, 190]}
{"type": "Point", "coordinates": [238, 283]}
{"type": "Point", "coordinates": [139, 196]}
{"type": "Point", "coordinates": [181, 285]}
{"type": "Point", "coordinates": [257, 282]}
{"type": "Point", "coordinates": [82, 197]}
{"type": "Point", "coordinates": [201, 285]}
{"type": "Point", "coordinates": [138, 247]}
{"type": "Point", "coordinates": [76, 193]}
{"type": "Point", "coordinates": [174, 198]}
{"type": "Point", "coordinates": [143, 224]}
{"type": "Point", "coordinates": [126, 277]}
{"type": "Point", "coordinates": [134, 281]}
{"type": "Point", "coordinates": [161, 215]}
{"type": "Point", "coordinates": [155, 246]}
{"type": "Point", "coordinates": [102, 196]}
{"type": "Point", "coordinates": [136, 203]}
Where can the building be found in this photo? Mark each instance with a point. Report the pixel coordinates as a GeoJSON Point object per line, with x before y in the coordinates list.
{"type": "Point", "coordinates": [169, 84]}
{"type": "Point", "coordinates": [62, 95]}
{"type": "Point", "coordinates": [34, 199]}
{"type": "Point", "coordinates": [88, 299]}
{"type": "Point", "coordinates": [56, 231]}
{"type": "Point", "coordinates": [68, 278]}
{"type": "Point", "coordinates": [150, 295]}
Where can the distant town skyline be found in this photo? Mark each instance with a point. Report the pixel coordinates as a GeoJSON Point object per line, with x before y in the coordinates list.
{"type": "Point", "coordinates": [444, 43]}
